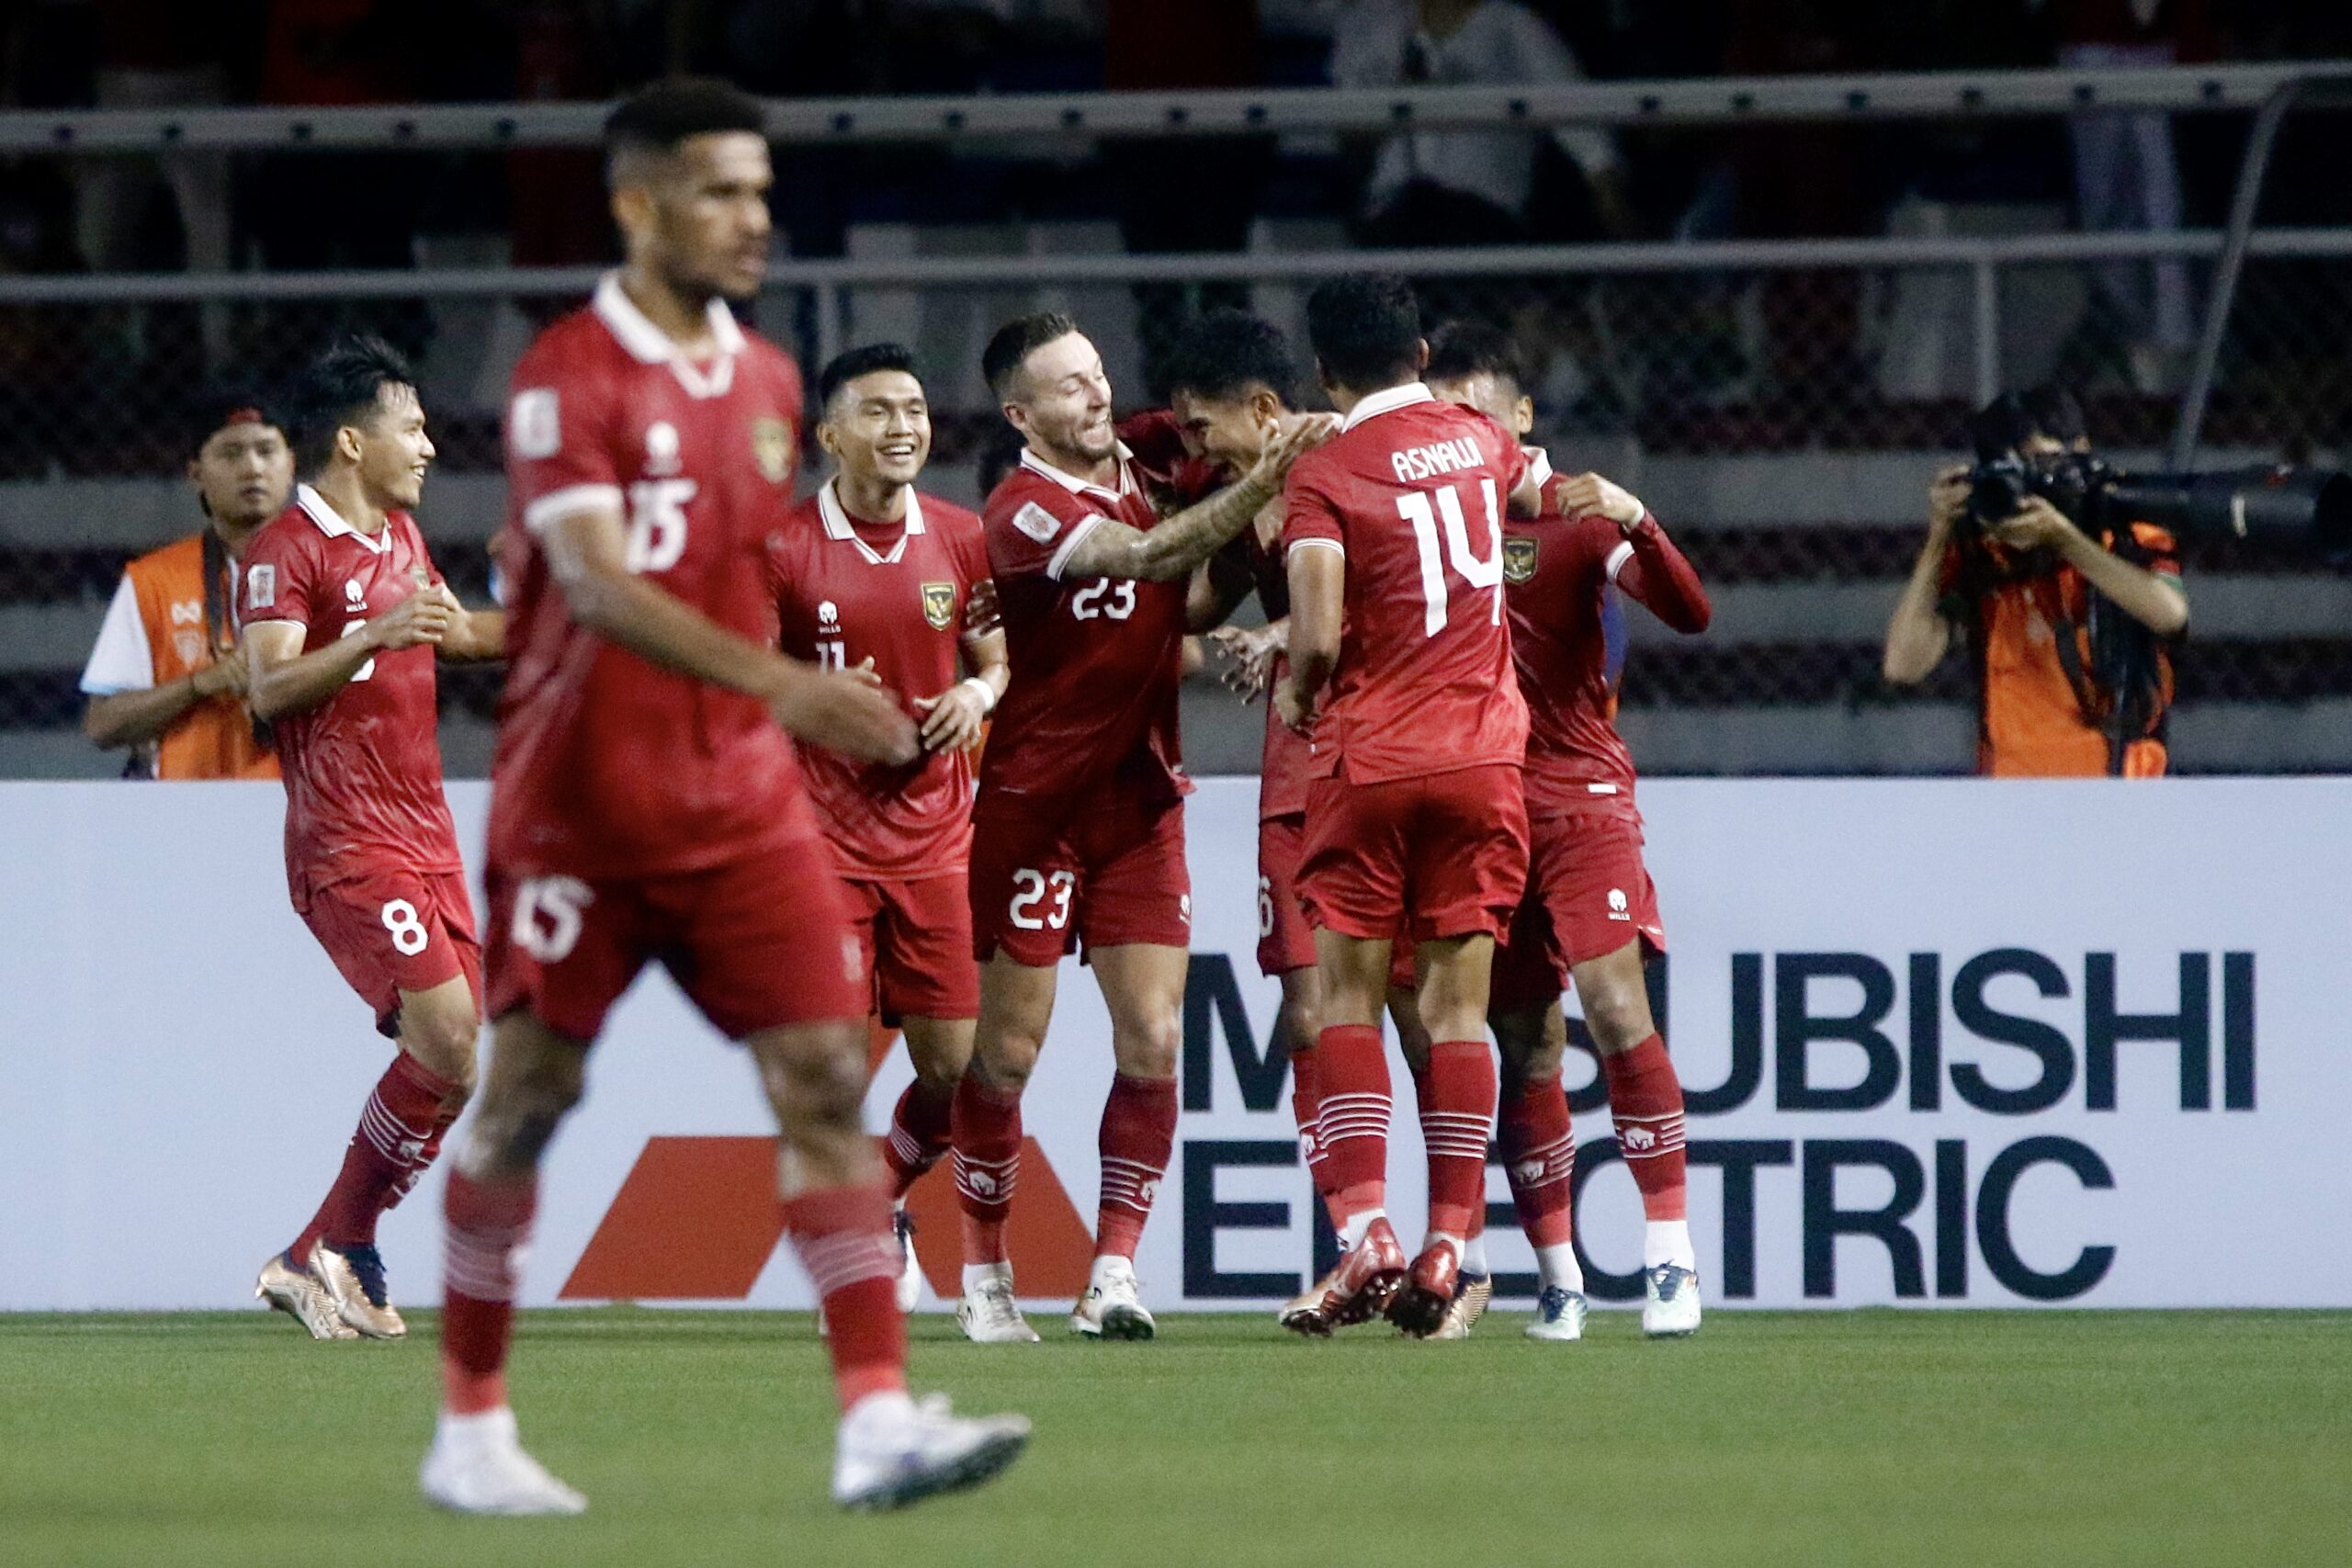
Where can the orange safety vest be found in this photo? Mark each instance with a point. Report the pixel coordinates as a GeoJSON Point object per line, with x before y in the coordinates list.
{"type": "Point", "coordinates": [214, 739]}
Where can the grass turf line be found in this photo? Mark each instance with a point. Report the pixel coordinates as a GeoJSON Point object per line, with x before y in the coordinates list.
{"type": "Point", "coordinates": [1818, 1440]}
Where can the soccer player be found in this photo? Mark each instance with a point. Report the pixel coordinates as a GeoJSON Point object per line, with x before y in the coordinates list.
{"type": "Point", "coordinates": [1415, 821]}
{"type": "Point", "coordinates": [343, 614]}
{"type": "Point", "coordinates": [1590, 914]}
{"type": "Point", "coordinates": [165, 679]}
{"type": "Point", "coordinates": [1079, 827]}
{"type": "Point", "coordinates": [645, 805]}
{"type": "Point", "coordinates": [867, 574]}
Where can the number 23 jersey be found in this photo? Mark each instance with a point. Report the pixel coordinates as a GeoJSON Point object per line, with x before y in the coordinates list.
{"type": "Point", "coordinates": [608, 765]}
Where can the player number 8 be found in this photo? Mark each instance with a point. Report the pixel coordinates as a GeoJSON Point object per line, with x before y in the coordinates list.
{"type": "Point", "coordinates": [408, 935]}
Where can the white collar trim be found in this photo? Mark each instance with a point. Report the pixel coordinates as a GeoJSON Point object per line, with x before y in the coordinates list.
{"type": "Point", "coordinates": [648, 345]}
{"type": "Point", "coordinates": [839, 526]}
{"type": "Point", "coordinates": [331, 522]}
{"type": "Point", "coordinates": [1387, 401]}
{"type": "Point", "coordinates": [1076, 486]}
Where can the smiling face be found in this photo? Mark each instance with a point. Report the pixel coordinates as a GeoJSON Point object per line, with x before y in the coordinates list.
{"type": "Point", "coordinates": [1232, 433]}
{"type": "Point", "coordinates": [879, 428]}
{"type": "Point", "coordinates": [390, 448]}
{"type": "Point", "coordinates": [243, 473]}
{"type": "Point", "coordinates": [698, 216]}
{"type": "Point", "coordinates": [1065, 402]}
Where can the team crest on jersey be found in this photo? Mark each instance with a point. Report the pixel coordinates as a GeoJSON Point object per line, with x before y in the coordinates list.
{"type": "Point", "coordinates": [939, 605]}
{"type": "Point", "coordinates": [1518, 561]}
{"type": "Point", "coordinates": [771, 449]}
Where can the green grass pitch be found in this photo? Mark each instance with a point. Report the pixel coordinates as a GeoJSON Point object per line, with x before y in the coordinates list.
{"type": "Point", "coordinates": [704, 1438]}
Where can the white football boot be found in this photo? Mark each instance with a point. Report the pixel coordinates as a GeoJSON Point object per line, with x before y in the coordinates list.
{"type": "Point", "coordinates": [1559, 1315]}
{"type": "Point", "coordinates": [892, 1451]}
{"type": "Point", "coordinates": [302, 1296]}
{"type": "Point", "coordinates": [477, 1465]}
{"type": "Point", "coordinates": [1113, 1306]}
{"type": "Point", "coordinates": [989, 1315]}
{"type": "Point", "coordinates": [1670, 1302]}
{"type": "Point", "coordinates": [910, 1271]}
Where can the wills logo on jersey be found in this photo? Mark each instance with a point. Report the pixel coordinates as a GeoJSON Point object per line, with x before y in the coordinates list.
{"type": "Point", "coordinates": [771, 449]}
{"type": "Point", "coordinates": [1518, 561]}
{"type": "Point", "coordinates": [939, 605]}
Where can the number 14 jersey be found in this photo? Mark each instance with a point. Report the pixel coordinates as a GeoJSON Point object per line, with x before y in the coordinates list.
{"type": "Point", "coordinates": [1412, 491]}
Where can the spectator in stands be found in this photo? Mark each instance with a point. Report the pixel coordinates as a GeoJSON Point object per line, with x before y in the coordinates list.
{"type": "Point", "coordinates": [1456, 187]}
{"type": "Point", "coordinates": [2069, 628]}
{"type": "Point", "coordinates": [165, 678]}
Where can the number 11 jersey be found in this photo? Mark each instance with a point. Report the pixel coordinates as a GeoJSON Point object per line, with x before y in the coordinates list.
{"type": "Point", "coordinates": [1412, 492]}
{"type": "Point", "coordinates": [608, 765]}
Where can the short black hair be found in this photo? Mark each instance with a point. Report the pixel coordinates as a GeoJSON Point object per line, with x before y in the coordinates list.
{"type": "Point", "coordinates": [223, 403]}
{"type": "Point", "coordinates": [1011, 345]}
{"type": "Point", "coordinates": [2011, 419]}
{"type": "Point", "coordinates": [342, 387]}
{"type": "Point", "coordinates": [1366, 331]}
{"type": "Point", "coordinates": [657, 117]}
{"type": "Point", "coordinates": [864, 360]}
{"type": "Point", "coordinates": [1224, 353]}
{"type": "Point", "coordinates": [1461, 349]}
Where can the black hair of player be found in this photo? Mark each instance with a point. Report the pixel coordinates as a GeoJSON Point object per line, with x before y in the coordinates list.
{"type": "Point", "coordinates": [223, 403]}
{"type": "Point", "coordinates": [655, 120]}
{"type": "Point", "coordinates": [2010, 421]}
{"type": "Point", "coordinates": [999, 456]}
{"type": "Point", "coordinates": [345, 386]}
{"type": "Point", "coordinates": [1222, 354]}
{"type": "Point", "coordinates": [1461, 349]}
{"type": "Point", "coordinates": [1366, 332]}
{"type": "Point", "coordinates": [1011, 345]}
{"type": "Point", "coordinates": [866, 359]}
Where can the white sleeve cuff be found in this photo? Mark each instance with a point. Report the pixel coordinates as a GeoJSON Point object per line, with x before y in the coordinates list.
{"type": "Point", "coordinates": [1539, 465]}
{"type": "Point", "coordinates": [563, 502]}
{"type": "Point", "coordinates": [1618, 558]}
{"type": "Point", "coordinates": [1069, 546]}
{"type": "Point", "coordinates": [1318, 543]}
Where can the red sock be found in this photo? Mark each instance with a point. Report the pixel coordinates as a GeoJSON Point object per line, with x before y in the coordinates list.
{"type": "Point", "coordinates": [1351, 1118]}
{"type": "Point", "coordinates": [1305, 1095]}
{"type": "Point", "coordinates": [486, 1223]}
{"type": "Point", "coordinates": [845, 1242]}
{"type": "Point", "coordinates": [919, 1133]}
{"type": "Point", "coordinates": [1539, 1156]}
{"type": "Point", "coordinates": [987, 1133]}
{"type": "Point", "coordinates": [1645, 1102]}
{"type": "Point", "coordinates": [1457, 1118]}
{"type": "Point", "coordinates": [1138, 1138]}
{"type": "Point", "coordinates": [398, 1137]}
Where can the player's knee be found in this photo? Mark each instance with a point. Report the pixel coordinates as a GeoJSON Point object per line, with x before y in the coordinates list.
{"type": "Point", "coordinates": [1529, 1050]}
{"type": "Point", "coordinates": [1147, 1047]}
{"type": "Point", "coordinates": [939, 1055]}
{"type": "Point", "coordinates": [814, 1081]}
{"type": "Point", "coordinates": [1617, 1015]}
{"type": "Point", "coordinates": [1004, 1059]}
{"type": "Point", "coordinates": [444, 1045]}
{"type": "Point", "coordinates": [1296, 1025]}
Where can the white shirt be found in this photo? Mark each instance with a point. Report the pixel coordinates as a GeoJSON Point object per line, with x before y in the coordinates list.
{"type": "Point", "coordinates": [121, 662]}
{"type": "Point", "coordinates": [1501, 43]}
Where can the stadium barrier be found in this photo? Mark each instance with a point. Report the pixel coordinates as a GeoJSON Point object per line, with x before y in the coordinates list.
{"type": "Point", "coordinates": [1946, 1044]}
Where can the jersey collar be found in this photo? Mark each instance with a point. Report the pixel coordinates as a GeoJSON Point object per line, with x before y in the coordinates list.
{"type": "Point", "coordinates": [1387, 401]}
{"type": "Point", "coordinates": [839, 526]}
{"type": "Point", "coordinates": [648, 345]}
{"type": "Point", "coordinates": [1076, 486]}
{"type": "Point", "coordinates": [329, 522]}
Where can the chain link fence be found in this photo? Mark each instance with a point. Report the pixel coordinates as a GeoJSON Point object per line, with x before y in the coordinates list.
{"type": "Point", "coordinates": [1782, 407]}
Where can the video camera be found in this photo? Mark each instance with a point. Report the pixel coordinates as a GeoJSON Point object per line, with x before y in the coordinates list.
{"type": "Point", "coordinates": [2309, 508]}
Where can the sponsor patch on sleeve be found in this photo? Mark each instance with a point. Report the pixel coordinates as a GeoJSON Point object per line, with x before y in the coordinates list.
{"type": "Point", "coordinates": [1037, 522]}
{"type": "Point", "coordinates": [534, 425]}
{"type": "Point", "coordinates": [261, 586]}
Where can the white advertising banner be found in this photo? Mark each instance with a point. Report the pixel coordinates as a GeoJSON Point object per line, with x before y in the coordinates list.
{"type": "Point", "coordinates": [1947, 1043]}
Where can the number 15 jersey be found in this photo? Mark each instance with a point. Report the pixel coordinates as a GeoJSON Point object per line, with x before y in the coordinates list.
{"type": "Point", "coordinates": [1412, 492]}
{"type": "Point", "coordinates": [608, 765]}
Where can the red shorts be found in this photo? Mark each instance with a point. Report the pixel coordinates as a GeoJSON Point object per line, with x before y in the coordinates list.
{"type": "Point", "coordinates": [1108, 877]}
{"type": "Point", "coordinates": [1588, 895]}
{"type": "Point", "coordinates": [915, 939]}
{"type": "Point", "coordinates": [756, 943]}
{"type": "Point", "coordinates": [1439, 856]}
{"type": "Point", "coordinates": [1285, 941]}
{"type": "Point", "coordinates": [393, 931]}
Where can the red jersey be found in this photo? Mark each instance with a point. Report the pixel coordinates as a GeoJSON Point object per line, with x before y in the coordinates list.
{"type": "Point", "coordinates": [1412, 491]}
{"type": "Point", "coordinates": [608, 765]}
{"type": "Point", "coordinates": [1557, 574]}
{"type": "Point", "coordinates": [1095, 660]}
{"type": "Point", "coordinates": [363, 769]}
{"type": "Point", "coordinates": [906, 595]}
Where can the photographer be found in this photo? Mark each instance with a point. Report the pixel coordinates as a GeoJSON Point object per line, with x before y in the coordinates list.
{"type": "Point", "coordinates": [2069, 614]}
